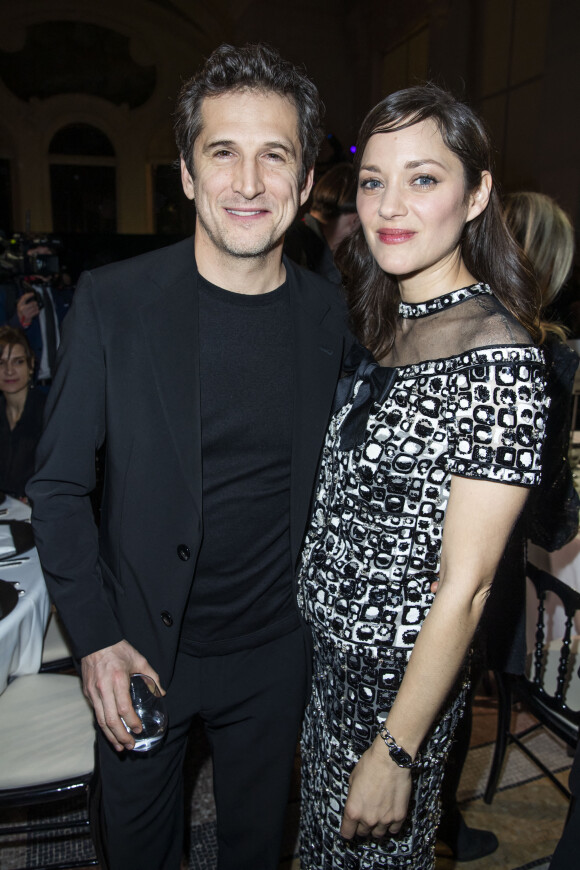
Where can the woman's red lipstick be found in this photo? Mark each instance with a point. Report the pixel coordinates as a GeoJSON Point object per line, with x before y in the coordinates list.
{"type": "Point", "coordinates": [393, 236]}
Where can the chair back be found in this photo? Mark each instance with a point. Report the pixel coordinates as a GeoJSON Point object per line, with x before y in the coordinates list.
{"type": "Point", "coordinates": [552, 686]}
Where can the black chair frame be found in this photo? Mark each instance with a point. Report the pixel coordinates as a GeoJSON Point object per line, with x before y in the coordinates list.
{"type": "Point", "coordinates": [551, 711]}
{"type": "Point", "coordinates": [58, 666]}
{"type": "Point", "coordinates": [53, 793]}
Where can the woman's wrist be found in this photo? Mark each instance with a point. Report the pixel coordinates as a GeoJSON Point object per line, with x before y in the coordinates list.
{"type": "Point", "coordinates": [401, 756]}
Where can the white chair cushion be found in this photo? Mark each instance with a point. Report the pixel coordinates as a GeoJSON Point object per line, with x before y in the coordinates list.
{"type": "Point", "coordinates": [47, 731]}
{"type": "Point", "coordinates": [55, 645]}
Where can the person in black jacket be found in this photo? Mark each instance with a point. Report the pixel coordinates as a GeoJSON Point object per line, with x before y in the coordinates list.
{"type": "Point", "coordinates": [21, 410]}
{"type": "Point", "coordinates": [208, 369]}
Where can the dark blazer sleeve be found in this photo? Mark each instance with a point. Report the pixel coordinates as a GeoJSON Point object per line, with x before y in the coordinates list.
{"type": "Point", "coordinates": [62, 516]}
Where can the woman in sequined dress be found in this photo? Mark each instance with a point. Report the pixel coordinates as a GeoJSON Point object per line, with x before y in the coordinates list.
{"type": "Point", "coordinates": [427, 463]}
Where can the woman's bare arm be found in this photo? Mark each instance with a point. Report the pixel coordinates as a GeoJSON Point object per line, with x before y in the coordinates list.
{"type": "Point", "coordinates": [480, 516]}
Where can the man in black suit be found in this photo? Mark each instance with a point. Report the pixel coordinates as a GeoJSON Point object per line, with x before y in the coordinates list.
{"type": "Point", "coordinates": [208, 369]}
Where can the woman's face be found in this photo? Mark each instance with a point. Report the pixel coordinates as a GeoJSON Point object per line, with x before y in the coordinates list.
{"type": "Point", "coordinates": [15, 370]}
{"type": "Point", "coordinates": [412, 201]}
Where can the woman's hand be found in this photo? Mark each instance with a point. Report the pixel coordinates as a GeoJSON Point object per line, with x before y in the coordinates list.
{"type": "Point", "coordinates": [378, 797]}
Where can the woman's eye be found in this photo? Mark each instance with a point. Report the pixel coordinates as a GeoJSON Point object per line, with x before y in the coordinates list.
{"type": "Point", "coordinates": [370, 184]}
{"type": "Point", "coordinates": [425, 181]}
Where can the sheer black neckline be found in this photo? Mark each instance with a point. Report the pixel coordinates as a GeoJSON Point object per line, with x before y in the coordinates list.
{"type": "Point", "coordinates": [440, 303]}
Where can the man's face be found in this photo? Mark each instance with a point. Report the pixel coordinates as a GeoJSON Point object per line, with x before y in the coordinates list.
{"type": "Point", "coordinates": [247, 161]}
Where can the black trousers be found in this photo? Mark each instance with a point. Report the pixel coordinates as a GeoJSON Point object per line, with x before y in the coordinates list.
{"type": "Point", "coordinates": [567, 854]}
{"type": "Point", "coordinates": [251, 703]}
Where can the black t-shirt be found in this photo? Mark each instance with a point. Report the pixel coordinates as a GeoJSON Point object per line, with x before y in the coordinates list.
{"type": "Point", "coordinates": [18, 446]}
{"type": "Point", "coordinates": [242, 591]}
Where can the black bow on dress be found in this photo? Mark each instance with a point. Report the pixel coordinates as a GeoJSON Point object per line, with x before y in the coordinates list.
{"type": "Point", "coordinates": [377, 381]}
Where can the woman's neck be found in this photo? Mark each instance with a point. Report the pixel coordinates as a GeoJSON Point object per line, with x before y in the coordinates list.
{"type": "Point", "coordinates": [447, 276]}
{"type": "Point", "coordinates": [15, 403]}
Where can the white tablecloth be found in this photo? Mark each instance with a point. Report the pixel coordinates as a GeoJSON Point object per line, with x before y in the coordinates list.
{"type": "Point", "coordinates": [12, 509]}
{"type": "Point", "coordinates": [22, 631]}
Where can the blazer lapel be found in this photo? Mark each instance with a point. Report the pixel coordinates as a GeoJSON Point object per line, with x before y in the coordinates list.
{"type": "Point", "coordinates": [170, 324]}
{"type": "Point", "coordinates": [318, 354]}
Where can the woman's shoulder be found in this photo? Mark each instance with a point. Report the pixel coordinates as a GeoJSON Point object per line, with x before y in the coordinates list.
{"type": "Point", "coordinates": [479, 329]}
{"type": "Point", "coordinates": [491, 323]}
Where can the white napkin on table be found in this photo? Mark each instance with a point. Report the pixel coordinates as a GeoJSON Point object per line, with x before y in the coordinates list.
{"type": "Point", "coordinates": [7, 547]}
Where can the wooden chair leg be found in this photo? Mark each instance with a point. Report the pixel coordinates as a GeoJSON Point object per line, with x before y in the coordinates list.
{"type": "Point", "coordinates": [504, 713]}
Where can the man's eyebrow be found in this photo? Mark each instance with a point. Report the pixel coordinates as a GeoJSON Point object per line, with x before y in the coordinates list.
{"type": "Point", "coordinates": [274, 145]}
{"type": "Point", "coordinates": [218, 143]}
{"type": "Point", "coordinates": [285, 146]}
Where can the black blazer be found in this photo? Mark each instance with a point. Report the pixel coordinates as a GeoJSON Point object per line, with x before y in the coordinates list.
{"type": "Point", "coordinates": [128, 374]}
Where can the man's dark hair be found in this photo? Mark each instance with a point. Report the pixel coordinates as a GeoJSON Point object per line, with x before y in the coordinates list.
{"type": "Point", "coordinates": [249, 67]}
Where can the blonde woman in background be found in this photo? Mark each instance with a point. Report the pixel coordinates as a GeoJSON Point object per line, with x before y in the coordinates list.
{"type": "Point", "coordinates": [545, 233]}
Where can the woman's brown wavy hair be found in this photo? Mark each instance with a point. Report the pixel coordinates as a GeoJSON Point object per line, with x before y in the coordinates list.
{"type": "Point", "coordinates": [487, 248]}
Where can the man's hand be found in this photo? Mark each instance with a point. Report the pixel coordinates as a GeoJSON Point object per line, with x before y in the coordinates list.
{"type": "Point", "coordinates": [106, 675]}
{"type": "Point", "coordinates": [27, 308]}
{"type": "Point", "coordinates": [378, 797]}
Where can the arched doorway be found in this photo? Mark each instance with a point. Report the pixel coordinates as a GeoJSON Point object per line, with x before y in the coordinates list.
{"type": "Point", "coordinates": [82, 181]}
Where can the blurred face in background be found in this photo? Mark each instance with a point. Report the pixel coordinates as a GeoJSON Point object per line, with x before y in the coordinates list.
{"type": "Point", "coordinates": [15, 369]}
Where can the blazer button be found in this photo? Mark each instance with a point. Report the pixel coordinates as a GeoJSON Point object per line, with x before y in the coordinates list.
{"type": "Point", "coordinates": [183, 552]}
{"type": "Point", "coordinates": [166, 618]}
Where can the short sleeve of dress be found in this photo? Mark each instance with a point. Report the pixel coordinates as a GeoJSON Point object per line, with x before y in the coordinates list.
{"type": "Point", "coordinates": [497, 406]}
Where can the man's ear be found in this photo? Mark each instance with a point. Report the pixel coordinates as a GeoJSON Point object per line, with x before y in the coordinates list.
{"type": "Point", "coordinates": [186, 180]}
{"type": "Point", "coordinates": [307, 186]}
{"type": "Point", "coordinates": [479, 198]}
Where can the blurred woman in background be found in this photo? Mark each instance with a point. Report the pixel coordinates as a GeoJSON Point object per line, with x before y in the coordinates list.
{"type": "Point", "coordinates": [21, 412]}
{"type": "Point", "coordinates": [545, 233]}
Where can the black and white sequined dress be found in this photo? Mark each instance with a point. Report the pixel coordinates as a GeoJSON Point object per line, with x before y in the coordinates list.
{"type": "Point", "coordinates": [475, 408]}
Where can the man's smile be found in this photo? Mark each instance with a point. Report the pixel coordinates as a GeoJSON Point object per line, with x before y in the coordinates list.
{"type": "Point", "coordinates": [241, 213]}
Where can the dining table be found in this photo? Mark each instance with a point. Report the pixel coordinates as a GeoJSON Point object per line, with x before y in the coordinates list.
{"type": "Point", "coordinates": [25, 605]}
